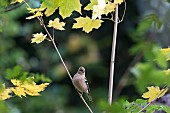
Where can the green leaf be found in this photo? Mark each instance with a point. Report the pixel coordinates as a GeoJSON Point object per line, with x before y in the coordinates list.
{"type": "Point", "coordinates": [68, 6]}
{"type": "Point", "coordinates": [13, 73]}
{"type": "Point", "coordinates": [87, 24]}
{"type": "Point", "coordinates": [51, 6]}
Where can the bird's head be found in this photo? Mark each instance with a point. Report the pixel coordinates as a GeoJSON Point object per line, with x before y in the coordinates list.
{"type": "Point", "coordinates": [81, 70]}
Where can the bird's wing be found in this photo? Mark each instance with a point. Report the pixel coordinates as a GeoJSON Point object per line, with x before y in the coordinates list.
{"type": "Point", "coordinates": [87, 84]}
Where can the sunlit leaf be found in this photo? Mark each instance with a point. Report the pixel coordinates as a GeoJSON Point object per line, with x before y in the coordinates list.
{"type": "Point", "coordinates": [33, 10]}
{"type": "Point", "coordinates": [68, 6]}
{"type": "Point", "coordinates": [154, 92]}
{"type": "Point", "coordinates": [37, 14]}
{"type": "Point", "coordinates": [17, 1]}
{"type": "Point", "coordinates": [27, 87]}
{"type": "Point", "coordinates": [118, 1]}
{"type": "Point", "coordinates": [56, 24]}
{"type": "Point", "coordinates": [166, 52]}
{"type": "Point", "coordinates": [50, 6]}
{"type": "Point", "coordinates": [5, 93]}
{"type": "Point", "coordinates": [87, 24]}
{"type": "Point", "coordinates": [38, 38]}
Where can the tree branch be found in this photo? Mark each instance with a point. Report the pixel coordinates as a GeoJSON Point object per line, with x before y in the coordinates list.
{"type": "Point", "coordinates": [113, 57]}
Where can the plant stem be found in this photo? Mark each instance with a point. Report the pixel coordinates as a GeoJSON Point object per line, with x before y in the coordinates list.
{"type": "Point", "coordinates": [113, 57]}
{"type": "Point", "coordinates": [65, 66]}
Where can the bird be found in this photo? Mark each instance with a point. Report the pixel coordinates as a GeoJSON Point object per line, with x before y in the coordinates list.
{"type": "Point", "coordinates": [80, 82]}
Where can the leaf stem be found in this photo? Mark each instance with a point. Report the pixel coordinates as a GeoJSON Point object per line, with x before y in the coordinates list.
{"type": "Point", "coordinates": [113, 57]}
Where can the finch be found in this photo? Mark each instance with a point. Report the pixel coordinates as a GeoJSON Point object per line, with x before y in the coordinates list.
{"type": "Point", "coordinates": [80, 82]}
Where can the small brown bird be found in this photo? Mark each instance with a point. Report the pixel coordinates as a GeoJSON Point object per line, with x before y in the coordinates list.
{"type": "Point", "coordinates": [80, 82]}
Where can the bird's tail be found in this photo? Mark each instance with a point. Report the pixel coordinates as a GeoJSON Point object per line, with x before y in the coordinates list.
{"type": "Point", "coordinates": [89, 96]}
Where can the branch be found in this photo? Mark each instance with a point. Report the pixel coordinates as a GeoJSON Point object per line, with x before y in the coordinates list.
{"type": "Point", "coordinates": [65, 66]}
{"type": "Point", "coordinates": [113, 57]}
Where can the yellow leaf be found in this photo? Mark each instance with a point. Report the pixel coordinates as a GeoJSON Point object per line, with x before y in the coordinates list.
{"type": "Point", "coordinates": [5, 94]}
{"type": "Point", "coordinates": [118, 1]}
{"type": "Point", "coordinates": [50, 6]}
{"type": "Point", "coordinates": [166, 52]}
{"type": "Point", "coordinates": [56, 24]}
{"type": "Point", "coordinates": [17, 1]}
{"type": "Point", "coordinates": [19, 91]}
{"type": "Point", "coordinates": [27, 87]}
{"type": "Point", "coordinates": [38, 38]}
{"type": "Point", "coordinates": [16, 82]}
{"type": "Point", "coordinates": [33, 10]}
{"type": "Point", "coordinates": [87, 24]}
{"type": "Point", "coordinates": [110, 7]}
{"type": "Point", "coordinates": [154, 92]}
{"type": "Point", "coordinates": [37, 14]}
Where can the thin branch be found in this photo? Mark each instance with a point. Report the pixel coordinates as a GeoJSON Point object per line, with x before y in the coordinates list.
{"type": "Point", "coordinates": [66, 67]}
{"type": "Point", "coordinates": [113, 57]}
{"type": "Point", "coordinates": [57, 51]}
{"type": "Point", "coordinates": [85, 102]}
{"type": "Point", "coordinates": [52, 39]}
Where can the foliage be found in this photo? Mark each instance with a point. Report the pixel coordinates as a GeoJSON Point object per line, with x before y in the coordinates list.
{"type": "Point", "coordinates": [151, 72]}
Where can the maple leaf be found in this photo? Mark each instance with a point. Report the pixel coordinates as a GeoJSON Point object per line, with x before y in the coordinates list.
{"type": "Point", "coordinates": [118, 1]}
{"type": "Point", "coordinates": [19, 91]}
{"type": "Point", "coordinates": [27, 87]}
{"type": "Point", "coordinates": [87, 24]}
{"type": "Point", "coordinates": [5, 93]}
{"type": "Point", "coordinates": [37, 14]}
{"type": "Point", "coordinates": [56, 24]}
{"type": "Point", "coordinates": [91, 4]}
{"type": "Point", "coordinates": [68, 6]}
{"type": "Point", "coordinates": [17, 1]}
{"type": "Point", "coordinates": [50, 6]}
{"type": "Point", "coordinates": [153, 93]}
{"type": "Point", "coordinates": [38, 38]}
{"type": "Point", "coordinates": [110, 7]}
{"type": "Point", "coordinates": [166, 52]}
{"type": "Point", "coordinates": [33, 10]}
{"type": "Point", "coordinates": [102, 8]}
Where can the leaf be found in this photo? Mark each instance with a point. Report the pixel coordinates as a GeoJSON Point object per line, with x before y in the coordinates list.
{"type": "Point", "coordinates": [34, 10]}
{"type": "Point", "coordinates": [91, 4]}
{"type": "Point", "coordinates": [17, 1]}
{"type": "Point", "coordinates": [5, 93]}
{"type": "Point", "coordinates": [56, 24]}
{"type": "Point", "coordinates": [68, 6]}
{"type": "Point", "coordinates": [19, 91]}
{"type": "Point", "coordinates": [118, 1]}
{"type": "Point", "coordinates": [153, 93]}
{"type": "Point", "coordinates": [38, 38]}
{"type": "Point", "coordinates": [50, 6]}
{"type": "Point", "coordinates": [87, 24]}
{"type": "Point", "coordinates": [27, 87]}
{"type": "Point", "coordinates": [166, 52]}
{"type": "Point", "coordinates": [37, 14]}
{"type": "Point", "coordinates": [102, 8]}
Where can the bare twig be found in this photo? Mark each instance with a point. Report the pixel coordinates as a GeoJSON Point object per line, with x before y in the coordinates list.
{"type": "Point", "coordinates": [52, 39]}
{"type": "Point", "coordinates": [113, 57]}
